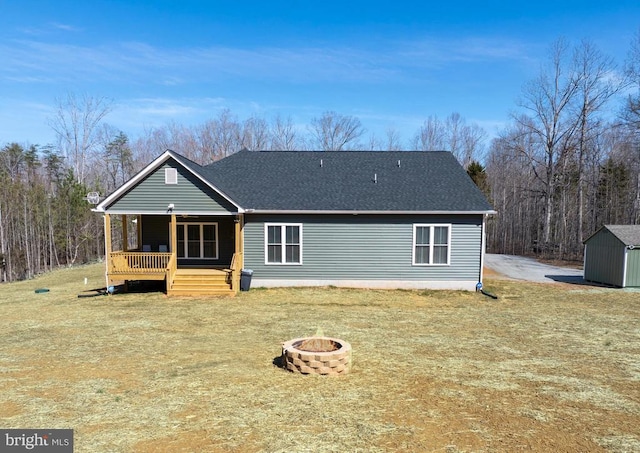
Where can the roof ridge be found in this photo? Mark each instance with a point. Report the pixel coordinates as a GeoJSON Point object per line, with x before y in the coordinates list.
{"type": "Point", "coordinates": [183, 158]}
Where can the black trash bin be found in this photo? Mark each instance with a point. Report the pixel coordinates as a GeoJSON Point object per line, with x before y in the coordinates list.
{"type": "Point", "coordinates": [245, 279]}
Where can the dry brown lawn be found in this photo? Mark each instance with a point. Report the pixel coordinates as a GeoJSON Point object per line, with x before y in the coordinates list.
{"type": "Point", "coordinates": [546, 368]}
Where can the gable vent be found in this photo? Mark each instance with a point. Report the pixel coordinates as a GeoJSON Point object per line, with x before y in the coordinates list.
{"type": "Point", "coordinates": [170, 176]}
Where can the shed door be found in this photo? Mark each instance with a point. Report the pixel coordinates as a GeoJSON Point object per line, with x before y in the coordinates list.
{"type": "Point", "coordinates": [633, 267]}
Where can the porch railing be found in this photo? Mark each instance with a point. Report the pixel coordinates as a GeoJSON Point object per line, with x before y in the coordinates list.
{"type": "Point", "coordinates": [172, 266]}
{"type": "Point", "coordinates": [139, 262]}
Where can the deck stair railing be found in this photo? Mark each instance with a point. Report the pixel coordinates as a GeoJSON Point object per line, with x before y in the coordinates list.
{"type": "Point", "coordinates": [172, 266]}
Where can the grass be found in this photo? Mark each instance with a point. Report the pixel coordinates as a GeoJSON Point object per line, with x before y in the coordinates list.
{"type": "Point", "coordinates": [546, 367]}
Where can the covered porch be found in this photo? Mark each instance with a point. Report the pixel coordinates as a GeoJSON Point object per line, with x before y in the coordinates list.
{"type": "Point", "coordinates": [194, 255]}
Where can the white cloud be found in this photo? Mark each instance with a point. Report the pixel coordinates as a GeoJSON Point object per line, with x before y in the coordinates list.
{"type": "Point", "coordinates": [64, 27]}
{"type": "Point", "coordinates": [137, 62]}
{"type": "Point", "coordinates": [472, 49]}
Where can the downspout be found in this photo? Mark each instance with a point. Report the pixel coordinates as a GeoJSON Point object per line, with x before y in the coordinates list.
{"type": "Point", "coordinates": [483, 244]}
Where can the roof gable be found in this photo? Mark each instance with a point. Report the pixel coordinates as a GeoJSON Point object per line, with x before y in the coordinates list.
{"type": "Point", "coordinates": [196, 191]}
{"type": "Point", "coordinates": [370, 181]}
{"type": "Point", "coordinates": [189, 195]}
{"type": "Point", "coordinates": [627, 234]}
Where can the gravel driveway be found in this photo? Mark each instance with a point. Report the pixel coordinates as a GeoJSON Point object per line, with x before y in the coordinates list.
{"type": "Point", "coordinates": [528, 269]}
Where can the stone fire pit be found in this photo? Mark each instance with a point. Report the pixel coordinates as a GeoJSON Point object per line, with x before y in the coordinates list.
{"type": "Point", "coordinates": [317, 355]}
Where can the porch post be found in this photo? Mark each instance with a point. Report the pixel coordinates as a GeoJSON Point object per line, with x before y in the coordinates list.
{"type": "Point", "coordinates": [237, 265]}
{"type": "Point", "coordinates": [237, 235]}
{"type": "Point", "coordinates": [125, 234]}
{"type": "Point", "coordinates": [107, 236]}
{"type": "Point", "coordinates": [139, 232]}
{"type": "Point", "coordinates": [240, 246]}
{"type": "Point", "coordinates": [174, 235]}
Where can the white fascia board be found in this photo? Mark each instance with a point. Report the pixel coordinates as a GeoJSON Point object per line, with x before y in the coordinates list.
{"type": "Point", "coordinates": [149, 169]}
{"type": "Point", "coordinates": [355, 212]}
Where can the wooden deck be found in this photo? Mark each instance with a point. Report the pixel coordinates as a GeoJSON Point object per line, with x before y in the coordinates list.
{"type": "Point", "coordinates": [182, 281]}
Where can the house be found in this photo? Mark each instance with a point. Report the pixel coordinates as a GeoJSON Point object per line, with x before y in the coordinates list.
{"type": "Point", "coordinates": [380, 219]}
{"type": "Point", "coordinates": [612, 256]}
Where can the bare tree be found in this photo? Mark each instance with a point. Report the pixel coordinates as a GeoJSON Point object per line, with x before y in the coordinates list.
{"type": "Point", "coordinates": [373, 143]}
{"type": "Point", "coordinates": [631, 113]}
{"type": "Point", "coordinates": [284, 136]}
{"type": "Point", "coordinates": [430, 136]}
{"type": "Point", "coordinates": [595, 89]}
{"type": "Point", "coordinates": [220, 137]}
{"type": "Point", "coordinates": [391, 142]}
{"type": "Point", "coordinates": [394, 140]}
{"type": "Point", "coordinates": [548, 99]}
{"type": "Point", "coordinates": [465, 141]}
{"type": "Point", "coordinates": [335, 132]}
{"type": "Point", "coordinates": [254, 134]}
{"type": "Point", "coordinates": [76, 123]}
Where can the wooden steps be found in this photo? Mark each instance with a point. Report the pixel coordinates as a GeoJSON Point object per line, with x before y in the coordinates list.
{"type": "Point", "coordinates": [200, 282]}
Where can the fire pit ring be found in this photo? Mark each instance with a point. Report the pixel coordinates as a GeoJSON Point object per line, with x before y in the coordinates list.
{"type": "Point", "coordinates": [317, 355]}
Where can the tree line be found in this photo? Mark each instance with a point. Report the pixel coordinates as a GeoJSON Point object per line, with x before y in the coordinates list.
{"type": "Point", "coordinates": [567, 162]}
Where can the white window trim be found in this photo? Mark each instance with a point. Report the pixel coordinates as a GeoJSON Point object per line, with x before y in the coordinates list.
{"type": "Point", "coordinates": [215, 224]}
{"type": "Point", "coordinates": [283, 245]}
{"type": "Point", "coordinates": [171, 176]}
{"type": "Point", "coordinates": [431, 245]}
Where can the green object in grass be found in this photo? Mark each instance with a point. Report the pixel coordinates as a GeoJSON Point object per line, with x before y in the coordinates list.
{"type": "Point", "coordinates": [42, 290]}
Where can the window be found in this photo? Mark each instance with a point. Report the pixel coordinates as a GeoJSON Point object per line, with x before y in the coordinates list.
{"type": "Point", "coordinates": [197, 240]}
{"type": "Point", "coordinates": [431, 244]}
{"type": "Point", "coordinates": [170, 176]}
{"type": "Point", "coordinates": [283, 243]}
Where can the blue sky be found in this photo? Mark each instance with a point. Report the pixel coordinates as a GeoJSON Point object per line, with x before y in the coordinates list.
{"type": "Point", "coordinates": [391, 64]}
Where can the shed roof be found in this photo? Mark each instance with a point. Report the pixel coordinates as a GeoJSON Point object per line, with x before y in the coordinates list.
{"type": "Point", "coordinates": [398, 181]}
{"type": "Point", "coordinates": [628, 234]}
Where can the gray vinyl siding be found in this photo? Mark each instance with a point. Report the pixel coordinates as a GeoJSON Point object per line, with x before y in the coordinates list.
{"type": "Point", "coordinates": [604, 259]}
{"type": "Point", "coordinates": [365, 247]}
{"type": "Point", "coordinates": [189, 195]}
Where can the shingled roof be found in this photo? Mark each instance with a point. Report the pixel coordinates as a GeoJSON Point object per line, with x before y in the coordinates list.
{"type": "Point", "coordinates": [627, 234]}
{"type": "Point", "coordinates": [374, 181]}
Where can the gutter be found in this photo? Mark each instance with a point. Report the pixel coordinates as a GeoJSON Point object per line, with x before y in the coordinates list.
{"type": "Point", "coordinates": [363, 212]}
